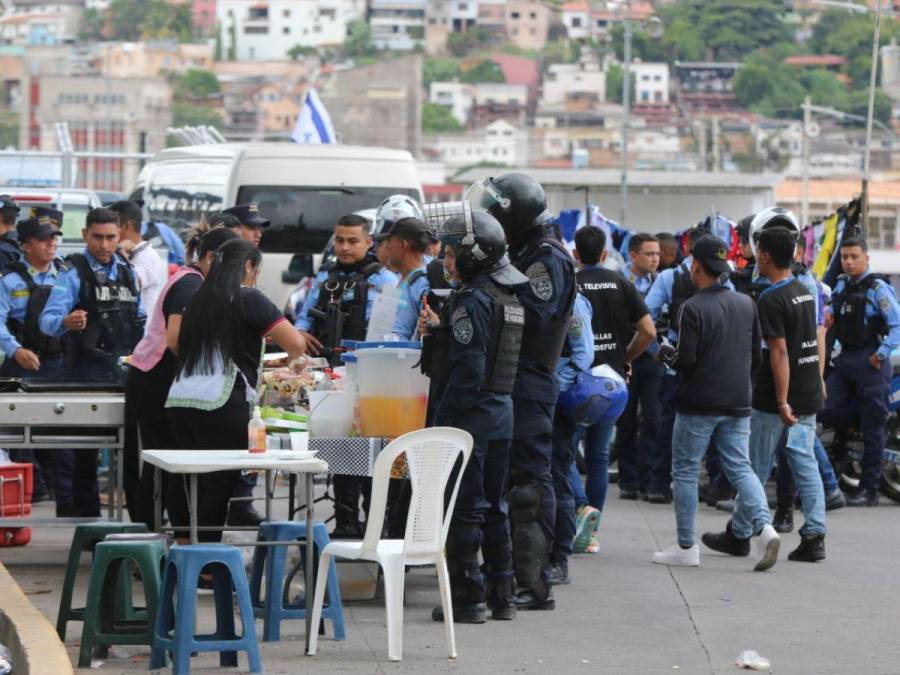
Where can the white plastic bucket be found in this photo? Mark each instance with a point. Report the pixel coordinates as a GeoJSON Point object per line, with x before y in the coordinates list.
{"type": "Point", "coordinates": [331, 413]}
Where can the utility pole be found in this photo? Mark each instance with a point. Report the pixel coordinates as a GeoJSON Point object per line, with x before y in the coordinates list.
{"type": "Point", "coordinates": [626, 121]}
{"type": "Point", "coordinates": [804, 186]}
{"type": "Point", "coordinates": [869, 116]}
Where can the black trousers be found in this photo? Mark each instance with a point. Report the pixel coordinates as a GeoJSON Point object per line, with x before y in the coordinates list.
{"type": "Point", "coordinates": [222, 429]}
{"type": "Point", "coordinates": [145, 419]}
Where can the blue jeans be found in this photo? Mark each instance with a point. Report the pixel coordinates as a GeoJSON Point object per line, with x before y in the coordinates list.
{"type": "Point", "coordinates": [785, 478]}
{"type": "Point", "coordinates": [731, 436]}
{"type": "Point", "coordinates": [577, 486]}
{"type": "Point", "coordinates": [767, 435]}
{"type": "Point", "coordinates": [596, 458]}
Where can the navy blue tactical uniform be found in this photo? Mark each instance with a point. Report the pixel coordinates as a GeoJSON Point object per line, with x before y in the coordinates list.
{"type": "Point", "coordinates": [866, 322]}
{"type": "Point", "coordinates": [548, 299]}
{"type": "Point", "coordinates": [485, 331]}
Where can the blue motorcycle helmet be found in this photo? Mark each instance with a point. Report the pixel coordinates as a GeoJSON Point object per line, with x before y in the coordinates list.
{"type": "Point", "coordinates": [598, 396]}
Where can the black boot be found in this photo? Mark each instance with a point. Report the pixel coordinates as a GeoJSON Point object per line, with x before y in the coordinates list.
{"type": "Point", "coordinates": [784, 519]}
{"type": "Point", "coordinates": [472, 613]}
{"type": "Point", "coordinates": [528, 598]}
{"type": "Point", "coordinates": [502, 600]}
{"type": "Point", "coordinates": [863, 498]}
{"type": "Point", "coordinates": [726, 542]}
{"type": "Point", "coordinates": [811, 549]}
{"type": "Point", "coordinates": [467, 590]}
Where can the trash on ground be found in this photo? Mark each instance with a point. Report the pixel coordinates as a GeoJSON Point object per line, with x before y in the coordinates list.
{"type": "Point", "coordinates": [750, 660]}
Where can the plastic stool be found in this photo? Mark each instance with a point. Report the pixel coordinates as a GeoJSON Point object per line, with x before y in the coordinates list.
{"type": "Point", "coordinates": [181, 576]}
{"type": "Point", "coordinates": [270, 561]}
{"type": "Point", "coordinates": [88, 534]}
{"type": "Point", "coordinates": [101, 626]}
{"type": "Point", "coordinates": [124, 607]}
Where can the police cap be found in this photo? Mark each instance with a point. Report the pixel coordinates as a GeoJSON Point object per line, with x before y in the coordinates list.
{"type": "Point", "coordinates": [48, 216]}
{"type": "Point", "coordinates": [712, 252]}
{"type": "Point", "coordinates": [248, 214]}
{"type": "Point", "coordinates": [36, 228]}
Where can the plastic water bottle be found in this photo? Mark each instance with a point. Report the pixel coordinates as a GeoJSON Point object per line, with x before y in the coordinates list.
{"type": "Point", "coordinates": [256, 432]}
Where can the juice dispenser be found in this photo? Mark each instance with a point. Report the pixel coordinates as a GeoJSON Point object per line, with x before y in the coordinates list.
{"type": "Point", "coordinates": [393, 392]}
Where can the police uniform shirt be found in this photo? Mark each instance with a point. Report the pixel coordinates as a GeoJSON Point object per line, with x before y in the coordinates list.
{"type": "Point", "coordinates": [579, 355]}
{"type": "Point", "coordinates": [14, 295]}
{"type": "Point", "coordinates": [788, 310]}
{"type": "Point", "coordinates": [9, 248]}
{"type": "Point", "coordinates": [882, 301]}
{"type": "Point", "coordinates": [464, 404]}
{"type": "Point", "coordinates": [410, 307]}
{"type": "Point", "coordinates": [65, 295]}
{"type": "Point", "coordinates": [377, 281]}
{"type": "Point", "coordinates": [643, 282]}
{"type": "Point", "coordinates": [617, 305]}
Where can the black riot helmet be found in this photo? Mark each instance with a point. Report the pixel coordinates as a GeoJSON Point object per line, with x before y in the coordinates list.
{"type": "Point", "coordinates": [516, 200]}
{"type": "Point", "coordinates": [479, 244]}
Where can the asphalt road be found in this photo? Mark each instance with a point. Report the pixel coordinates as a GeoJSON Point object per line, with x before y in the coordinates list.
{"type": "Point", "coordinates": [621, 614]}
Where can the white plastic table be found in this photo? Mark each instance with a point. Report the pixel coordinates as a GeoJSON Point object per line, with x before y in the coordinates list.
{"type": "Point", "coordinates": [194, 462]}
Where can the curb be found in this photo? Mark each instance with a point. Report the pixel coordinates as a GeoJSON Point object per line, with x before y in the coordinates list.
{"type": "Point", "coordinates": [35, 646]}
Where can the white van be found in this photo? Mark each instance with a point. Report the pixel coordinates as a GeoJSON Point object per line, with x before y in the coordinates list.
{"type": "Point", "coordinates": [301, 189]}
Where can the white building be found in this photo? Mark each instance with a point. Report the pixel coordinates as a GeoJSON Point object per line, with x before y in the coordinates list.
{"type": "Point", "coordinates": [457, 96]}
{"type": "Point", "coordinates": [498, 143]}
{"type": "Point", "coordinates": [651, 83]}
{"type": "Point", "coordinates": [458, 16]}
{"type": "Point", "coordinates": [26, 22]}
{"type": "Point", "coordinates": [258, 31]}
{"type": "Point", "coordinates": [397, 24]}
{"type": "Point", "coordinates": [573, 78]}
{"type": "Point", "coordinates": [576, 17]}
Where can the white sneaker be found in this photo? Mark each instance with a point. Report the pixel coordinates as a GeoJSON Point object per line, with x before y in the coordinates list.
{"type": "Point", "coordinates": [679, 557]}
{"type": "Point", "coordinates": [767, 545]}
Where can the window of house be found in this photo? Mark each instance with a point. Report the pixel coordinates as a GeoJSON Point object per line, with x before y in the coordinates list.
{"type": "Point", "coordinates": [658, 97]}
{"type": "Point", "coordinates": [645, 96]}
{"type": "Point", "coordinates": [286, 30]}
{"type": "Point", "coordinates": [576, 22]}
{"type": "Point", "coordinates": [514, 16]}
{"type": "Point", "coordinates": [286, 13]}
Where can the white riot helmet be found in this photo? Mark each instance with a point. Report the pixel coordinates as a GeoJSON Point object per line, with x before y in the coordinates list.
{"type": "Point", "coordinates": [774, 216]}
{"type": "Point", "coordinates": [394, 208]}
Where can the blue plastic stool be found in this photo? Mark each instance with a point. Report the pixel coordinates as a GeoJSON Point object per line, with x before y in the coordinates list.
{"type": "Point", "coordinates": [182, 573]}
{"type": "Point", "coordinates": [270, 561]}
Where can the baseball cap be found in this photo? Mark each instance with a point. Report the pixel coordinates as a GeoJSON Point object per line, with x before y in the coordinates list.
{"type": "Point", "coordinates": [410, 229]}
{"type": "Point", "coordinates": [713, 252]}
{"type": "Point", "coordinates": [248, 214]}
{"type": "Point", "coordinates": [36, 228]}
{"type": "Point", "coordinates": [47, 216]}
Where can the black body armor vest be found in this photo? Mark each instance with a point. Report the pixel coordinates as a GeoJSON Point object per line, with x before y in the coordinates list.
{"type": "Point", "coordinates": [28, 331]}
{"type": "Point", "coordinates": [851, 328]}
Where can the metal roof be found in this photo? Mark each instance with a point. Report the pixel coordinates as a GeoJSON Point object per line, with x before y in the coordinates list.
{"type": "Point", "coordinates": [680, 180]}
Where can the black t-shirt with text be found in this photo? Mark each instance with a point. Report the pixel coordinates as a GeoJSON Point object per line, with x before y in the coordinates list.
{"type": "Point", "coordinates": [788, 310]}
{"type": "Point", "coordinates": [617, 305]}
{"type": "Point", "coordinates": [259, 315]}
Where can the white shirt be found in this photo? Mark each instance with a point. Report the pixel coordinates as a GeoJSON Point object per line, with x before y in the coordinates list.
{"type": "Point", "coordinates": [151, 272]}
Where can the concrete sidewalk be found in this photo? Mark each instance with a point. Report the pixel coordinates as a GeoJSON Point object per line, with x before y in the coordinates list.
{"type": "Point", "coordinates": [621, 614]}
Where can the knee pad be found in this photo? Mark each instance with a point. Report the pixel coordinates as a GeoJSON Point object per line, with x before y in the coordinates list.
{"type": "Point", "coordinates": [525, 503]}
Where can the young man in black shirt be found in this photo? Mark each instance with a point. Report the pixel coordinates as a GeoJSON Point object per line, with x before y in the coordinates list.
{"type": "Point", "coordinates": [787, 394]}
{"type": "Point", "coordinates": [718, 347]}
{"type": "Point", "coordinates": [622, 330]}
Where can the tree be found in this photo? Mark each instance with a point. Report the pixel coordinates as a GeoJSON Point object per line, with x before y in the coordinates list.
{"type": "Point", "coordinates": [190, 114]}
{"type": "Point", "coordinates": [439, 69]}
{"type": "Point", "coordinates": [483, 71]}
{"type": "Point", "coordinates": [614, 78]}
{"type": "Point", "coordinates": [298, 51]}
{"type": "Point", "coordinates": [359, 40]}
{"type": "Point", "coordinates": [437, 119]}
{"type": "Point", "coordinates": [858, 104]}
{"type": "Point", "coordinates": [91, 27]}
{"type": "Point", "coordinates": [133, 20]}
{"type": "Point", "coordinates": [195, 84]}
{"type": "Point", "coordinates": [560, 51]}
{"type": "Point", "coordinates": [850, 36]}
{"type": "Point", "coordinates": [643, 46]}
{"type": "Point", "coordinates": [9, 130]}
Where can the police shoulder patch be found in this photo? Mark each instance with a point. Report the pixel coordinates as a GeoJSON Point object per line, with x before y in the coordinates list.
{"type": "Point", "coordinates": [884, 302]}
{"type": "Point", "coordinates": [540, 281]}
{"type": "Point", "coordinates": [575, 327]}
{"type": "Point", "coordinates": [461, 326]}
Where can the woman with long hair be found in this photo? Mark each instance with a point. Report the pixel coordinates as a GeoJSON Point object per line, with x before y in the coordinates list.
{"type": "Point", "coordinates": [220, 347]}
{"type": "Point", "coordinates": [153, 366]}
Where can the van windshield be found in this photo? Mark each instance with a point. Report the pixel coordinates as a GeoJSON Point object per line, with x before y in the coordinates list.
{"type": "Point", "coordinates": [303, 218]}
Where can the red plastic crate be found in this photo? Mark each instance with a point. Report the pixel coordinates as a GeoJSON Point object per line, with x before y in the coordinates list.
{"type": "Point", "coordinates": [16, 486]}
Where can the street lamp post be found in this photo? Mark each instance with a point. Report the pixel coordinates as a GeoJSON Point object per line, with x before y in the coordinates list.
{"type": "Point", "coordinates": [626, 121]}
{"type": "Point", "coordinates": [869, 116]}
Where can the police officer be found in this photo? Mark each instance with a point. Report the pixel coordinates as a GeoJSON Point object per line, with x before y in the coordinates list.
{"type": "Point", "coordinates": [866, 322]}
{"type": "Point", "coordinates": [442, 280]}
{"type": "Point", "coordinates": [251, 223]}
{"type": "Point", "coordinates": [24, 288]}
{"type": "Point", "coordinates": [338, 307]}
{"type": "Point", "coordinates": [47, 215]}
{"type": "Point", "coordinates": [339, 304]}
{"type": "Point", "coordinates": [95, 305]}
{"type": "Point", "coordinates": [519, 203]}
{"type": "Point", "coordinates": [9, 245]}
{"type": "Point", "coordinates": [486, 321]}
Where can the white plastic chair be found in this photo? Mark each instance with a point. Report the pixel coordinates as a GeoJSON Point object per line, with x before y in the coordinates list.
{"type": "Point", "coordinates": [431, 455]}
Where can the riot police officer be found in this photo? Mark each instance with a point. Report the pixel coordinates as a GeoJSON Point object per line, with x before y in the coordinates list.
{"type": "Point", "coordinates": [519, 203]}
{"type": "Point", "coordinates": [486, 321]}
{"type": "Point", "coordinates": [338, 307]}
{"type": "Point", "coordinates": [95, 306]}
{"type": "Point", "coordinates": [9, 245]}
{"type": "Point", "coordinates": [866, 322]}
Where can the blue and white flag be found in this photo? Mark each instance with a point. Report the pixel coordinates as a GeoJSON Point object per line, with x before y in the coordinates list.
{"type": "Point", "coordinates": [314, 122]}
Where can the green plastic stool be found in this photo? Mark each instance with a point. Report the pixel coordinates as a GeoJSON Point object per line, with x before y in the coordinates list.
{"type": "Point", "coordinates": [86, 535]}
{"type": "Point", "coordinates": [102, 627]}
{"type": "Point", "coordinates": [124, 606]}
